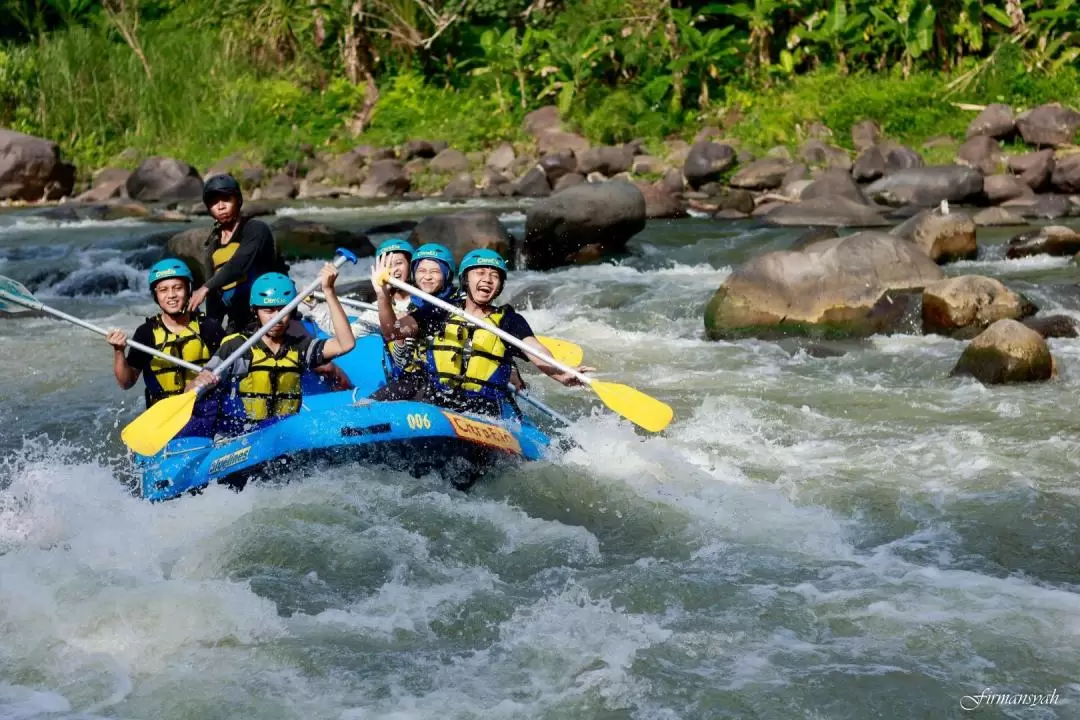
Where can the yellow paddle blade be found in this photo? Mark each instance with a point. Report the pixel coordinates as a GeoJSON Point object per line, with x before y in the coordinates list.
{"type": "Point", "coordinates": [564, 351]}
{"type": "Point", "coordinates": [149, 433]}
{"type": "Point", "coordinates": [634, 405]}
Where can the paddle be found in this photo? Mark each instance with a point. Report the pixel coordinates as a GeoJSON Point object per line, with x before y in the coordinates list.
{"type": "Point", "coordinates": [562, 350]}
{"type": "Point", "coordinates": [152, 431]}
{"type": "Point", "coordinates": [634, 405]}
{"type": "Point", "coordinates": [14, 292]}
{"type": "Point", "coordinates": [542, 407]}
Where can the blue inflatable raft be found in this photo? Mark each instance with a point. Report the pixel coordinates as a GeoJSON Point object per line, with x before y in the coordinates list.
{"type": "Point", "coordinates": [346, 426]}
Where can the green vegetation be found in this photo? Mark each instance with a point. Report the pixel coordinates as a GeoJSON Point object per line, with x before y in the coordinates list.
{"type": "Point", "coordinates": [200, 79]}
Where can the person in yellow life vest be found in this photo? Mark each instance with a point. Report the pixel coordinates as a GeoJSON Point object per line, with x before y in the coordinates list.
{"type": "Point", "coordinates": [468, 368]}
{"type": "Point", "coordinates": [240, 249]}
{"type": "Point", "coordinates": [265, 383]}
{"type": "Point", "coordinates": [175, 331]}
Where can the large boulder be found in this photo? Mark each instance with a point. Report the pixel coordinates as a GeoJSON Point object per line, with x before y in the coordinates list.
{"type": "Point", "coordinates": [542, 120]}
{"type": "Point", "coordinates": [1006, 352]}
{"type": "Point", "coordinates": [1056, 240]}
{"type": "Point", "coordinates": [765, 174]}
{"type": "Point", "coordinates": [159, 179]}
{"type": "Point", "coordinates": [346, 169]}
{"type": "Point", "coordinates": [964, 306]}
{"type": "Point", "coordinates": [31, 169]}
{"type": "Point", "coordinates": [995, 121]}
{"type": "Point", "coordinates": [945, 238]}
{"type": "Point", "coordinates": [865, 134]}
{"type": "Point", "coordinates": [1051, 125]}
{"type": "Point", "coordinates": [817, 153]}
{"type": "Point", "coordinates": [928, 186]}
{"type": "Point", "coordinates": [1002, 188]}
{"type": "Point", "coordinates": [605, 160]}
{"type": "Point", "coordinates": [449, 162]}
{"type": "Point", "coordinates": [1053, 326]}
{"type": "Point", "coordinates": [281, 187]}
{"type": "Point", "coordinates": [555, 165]}
{"type": "Point", "coordinates": [108, 183]}
{"type": "Point", "coordinates": [386, 178]}
{"type": "Point", "coordinates": [997, 217]}
{"type": "Point", "coordinates": [190, 246]}
{"type": "Point", "coordinates": [534, 183]}
{"type": "Point", "coordinates": [1066, 175]}
{"type": "Point", "coordinates": [298, 239]}
{"type": "Point", "coordinates": [464, 231]}
{"type": "Point", "coordinates": [417, 149]}
{"type": "Point", "coordinates": [582, 222]}
{"type": "Point", "coordinates": [832, 183]}
{"type": "Point", "coordinates": [659, 203]}
{"type": "Point", "coordinates": [982, 153]}
{"type": "Point", "coordinates": [884, 158]}
{"type": "Point", "coordinates": [840, 285]}
{"type": "Point", "coordinates": [1046, 206]}
{"type": "Point", "coordinates": [826, 211]}
{"type": "Point", "coordinates": [558, 141]}
{"type": "Point", "coordinates": [706, 162]}
{"type": "Point", "coordinates": [1034, 169]}
{"type": "Point", "coordinates": [461, 187]}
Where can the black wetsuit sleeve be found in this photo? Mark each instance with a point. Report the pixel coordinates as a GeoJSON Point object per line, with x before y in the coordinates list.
{"type": "Point", "coordinates": [137, 359]}
{"type": "Point", "coordinates": [311, 352]}
{"type": "Point", "coordinates": [255, 256]}
{"type": "Point", "coordinates": [212, 334]}
{"type": "Point", "coordinates": [517, 326]}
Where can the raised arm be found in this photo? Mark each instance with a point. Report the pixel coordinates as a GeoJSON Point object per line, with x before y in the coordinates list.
{"type": "Point", "coordinates": [343, 340]}
{"type": "Point", "coordinates": [391, 326]}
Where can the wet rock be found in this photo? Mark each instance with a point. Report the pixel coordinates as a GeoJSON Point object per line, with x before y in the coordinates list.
{"type": "Point", "coordinates": [1056, 240]}
{"type": "Point", "coordinates": [97, 281]}
{"type": "Point", "coordinates": [568, 180]}
{"type": "Point", "coordinates": [162, 179]}
{"type": "Point", "coordinates": [964, 306]}
{"type": "Point", "coordinates": [884, 158]}
{"type": "Point", "coordinates": [1001, 188]}
{"type": "Point", "coordinates": [449, 162]}
{"type": "Point", "coordinates": [865, 134]}
{"type": "Point", "coordinates": [707, 161]}
{"type": "Point", "coordinates": [982, 153]}
{"type": "Point", "coordinates": [945, 238]}
{"type": "Point", "coordinates": [1006, 352]}
{"type": "Point", "coordinates": [997, 217]}
{"type": "Point", "coordinates": [831, 211]}
{"type": "Point", "coordinates": [764, 174]}
{"type": "Point", "coordinates": [386, 178]}
{"type": "Point", "coordinates": [1048, 125]}
{"type": "Point", "coordinates": [281, 187]}
{"type": "Point", "coordinates": [659, 203]}
{"type": "Point", "coordinates": [605, 160]}
{"type": "Point", "coordinates": [812, 236]}
{"type": "Point", "coordinates": [729, 215]}
{"type": "Point", "coordinates": [996, 121]}
{"type": "Point", "coordinates": [556, 165]}
{"type": "Point", "coordinates": [816, 152]}
{"type": "Point", "coordinates": [1066, 175]}
{"type": "Point", "coordinates": [1053, 326]}
{"type": "Point", "coordinates": [31, 168]}
{"type": "Point", "coordinates": [533, 184]}
{"type": "Point", "coordinates": [190, 246]}
{"type": "Point", "coordinates": [582, 221]}
{"type": "Point", "coordinates": [463, 232]}
{"type": "Point", "coordinates": [834, 286]}
{"type": "Point", "coordinates": [120, 210]}
{"type": "Point", "coordinates": [501, 158]}
{"type": "Point", "coordinates": [1047, 206]}
{"type": "Point", "coordinates": [928, 186]}
{"type": "Point", "coordinates": [298, 239]}
{"type": "Point", "coordinates": [108, 183]}
{"type": "Point", "coordinates": [834, 183]}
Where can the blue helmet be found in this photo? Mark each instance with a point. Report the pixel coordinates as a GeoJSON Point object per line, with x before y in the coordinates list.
{"type": "Point", "coordinates": [482, 258]}
{"type": "Point", "coordinates": [169, 268]}
{"type": "Point", "coordinates": [437, 252]}
{"type": "Point", "coordinates": [395, 245]}
{"type": "Point", "coordinates": [272, 290]}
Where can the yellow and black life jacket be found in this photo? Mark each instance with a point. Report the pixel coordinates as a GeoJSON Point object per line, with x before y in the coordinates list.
{"type": "Point", "coordinates": [223, 254]}
{"type": "Point", "coordinates": [469, 358]}
{"type": "Point", "coordinates": [186, 345]}
{"type": "Point", "coordinates": [272, 386]}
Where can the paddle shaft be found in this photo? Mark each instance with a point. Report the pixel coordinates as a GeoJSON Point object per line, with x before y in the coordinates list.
{"type": "Point", "coordinates": [349, 301]}
{"type": "Point", "coordinates": [36, 305]}
{"type": "Point", "coordinates": [498, 332]}
{"type": "Point", "coordinates": [281, 314]}
{"type": "Point", "coordinates": [542, 407]}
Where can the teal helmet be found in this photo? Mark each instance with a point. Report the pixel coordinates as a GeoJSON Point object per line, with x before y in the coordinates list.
{"type": "Point", "coordinates": [482, 258]}
{"type": "Point", "coordinates": [169, 268]}
{"type": "Point", "coordinates": [272, 290]}
{"type": "Point", "coordinates": [437, 252]}
{"type": "Point", "coordinates": [394, 245]}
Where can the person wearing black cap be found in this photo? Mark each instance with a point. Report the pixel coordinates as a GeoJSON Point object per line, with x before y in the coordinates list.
{"type": "Point", "coordinates": [240, 249]}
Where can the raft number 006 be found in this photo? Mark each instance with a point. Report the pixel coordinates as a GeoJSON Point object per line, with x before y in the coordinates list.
{"type": "Point", "coordinates": [418, 421]}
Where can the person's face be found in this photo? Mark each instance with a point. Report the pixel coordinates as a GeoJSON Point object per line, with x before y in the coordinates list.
{"type": "Point", "coordinates": [224, 208]}
{"type": "Point", "coordinates": [484, 284]}
{"type": "Point", "coordinates": [265, 314]}
{"type": "Point", "coordinates": [399, 266]}
{"type": "Point", "coordinates": [428, 276]}
{"type": "Point", "coordinates": [171, 295]}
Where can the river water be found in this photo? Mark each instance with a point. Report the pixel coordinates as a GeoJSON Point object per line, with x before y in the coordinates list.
{"type": "Point", "coordinates": [849, 536]}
